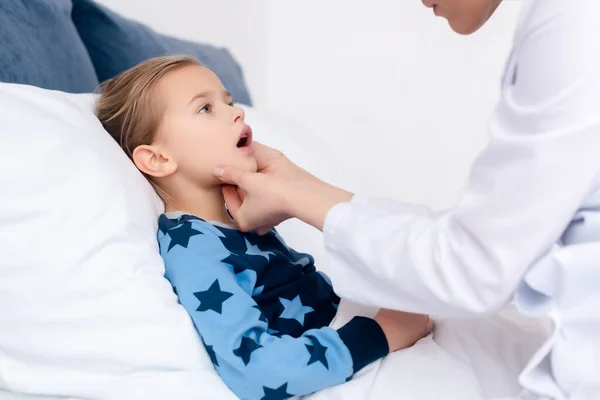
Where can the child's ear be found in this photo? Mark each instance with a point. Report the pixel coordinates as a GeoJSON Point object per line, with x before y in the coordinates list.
{"type": "Point", "coordinates": [153, 162]}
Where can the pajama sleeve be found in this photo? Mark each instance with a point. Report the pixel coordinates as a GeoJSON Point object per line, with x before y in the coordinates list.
{"type": "Point", "coordinates": [252, 362]}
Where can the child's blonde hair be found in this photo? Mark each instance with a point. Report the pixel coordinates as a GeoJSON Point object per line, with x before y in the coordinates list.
{"type": "Point", "coordinates": [126, 107]}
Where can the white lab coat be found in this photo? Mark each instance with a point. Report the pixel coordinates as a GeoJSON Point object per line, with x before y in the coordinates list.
{"type": "Point", "coordinates": [540, 167]}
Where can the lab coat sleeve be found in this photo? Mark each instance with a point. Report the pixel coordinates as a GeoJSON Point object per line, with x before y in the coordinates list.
{"type": "Point", "coordinates": [542, 159]}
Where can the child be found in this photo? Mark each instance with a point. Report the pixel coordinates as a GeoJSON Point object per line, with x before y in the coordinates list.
{"type": "Point", "coordinates": [261, 309]}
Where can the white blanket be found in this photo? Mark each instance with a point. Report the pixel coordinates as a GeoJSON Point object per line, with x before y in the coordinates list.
{"type": "Point", "coordinates": [463, 360]}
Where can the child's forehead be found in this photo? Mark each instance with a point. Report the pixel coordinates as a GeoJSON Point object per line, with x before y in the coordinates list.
{"type": "Point", "coordinates": [182, 89]}
{"type": "Point", "coordinates": [192, 78]}
{"type": "Point", "coordinates": [187, 83]}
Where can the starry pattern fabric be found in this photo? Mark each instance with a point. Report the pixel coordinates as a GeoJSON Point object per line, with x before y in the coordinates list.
{"type": "Point", "coordinates": [263, 310]}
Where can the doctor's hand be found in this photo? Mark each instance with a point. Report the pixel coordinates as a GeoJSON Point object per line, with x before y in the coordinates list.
{"type": "Point", "coordinates": [403, 329]}
{"type": "Point", "coordinates": [279, 190]}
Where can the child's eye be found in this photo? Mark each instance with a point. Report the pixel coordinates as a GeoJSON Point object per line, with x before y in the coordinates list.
{"type": "Point", "coordinates": [205, 109]}
{"type": "Point", "coordinates": [231, 104]}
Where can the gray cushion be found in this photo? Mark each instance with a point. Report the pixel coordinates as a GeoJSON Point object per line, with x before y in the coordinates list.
{"type": "Point", "coordinates": [116, 44]}
{"type": "Point", "coordinates": [40, 46]}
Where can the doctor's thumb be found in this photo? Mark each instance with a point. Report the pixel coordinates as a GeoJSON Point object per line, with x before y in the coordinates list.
{"type": "Point", "coordinates": [231, 176]}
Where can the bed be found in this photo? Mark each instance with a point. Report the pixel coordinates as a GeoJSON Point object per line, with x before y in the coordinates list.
{"type": "Point", "coordinates": [87, 313]}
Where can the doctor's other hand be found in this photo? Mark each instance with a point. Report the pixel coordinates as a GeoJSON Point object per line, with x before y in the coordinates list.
{"type": "Point", "coordinates": [279, 190]}
{"type": "Point", "coordinates": [403, 329]}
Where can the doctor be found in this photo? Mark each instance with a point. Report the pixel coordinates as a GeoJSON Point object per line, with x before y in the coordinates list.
{"type": "Point", "coordinates": [527, 226]}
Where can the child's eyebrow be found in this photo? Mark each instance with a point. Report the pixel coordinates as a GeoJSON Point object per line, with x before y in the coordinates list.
{"type": "Point", "coordinates": [226, 95]}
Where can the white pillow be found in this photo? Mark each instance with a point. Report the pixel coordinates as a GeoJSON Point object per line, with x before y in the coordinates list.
{"type": "Point", "coordinates": [86, 311]}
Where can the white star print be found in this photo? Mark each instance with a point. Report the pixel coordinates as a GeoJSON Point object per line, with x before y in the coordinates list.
{"type": "Point", "coordinates": [253, 250]}
{"type": "Point", "coordinates": [258, 290]}
{"type": "Point", "coordinates": [246, 279]}
{"type": "Point", "coordinates": [294, 309]}
{"type": "Point", "coordinates": [304, 261]}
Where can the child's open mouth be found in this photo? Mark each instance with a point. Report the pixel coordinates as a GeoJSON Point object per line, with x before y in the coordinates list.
{"type": "Point", "coordinates": [245, 140]}
{"type": "Point", "coordinates": [242, 142]}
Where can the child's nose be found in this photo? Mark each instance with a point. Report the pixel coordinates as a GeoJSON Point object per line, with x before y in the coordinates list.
{"type": "Point", "coordinates": [239, 114]}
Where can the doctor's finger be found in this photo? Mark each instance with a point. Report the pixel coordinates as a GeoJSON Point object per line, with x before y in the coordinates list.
{"type": "Point", "coordinates": [231, 176]}
{"type": "Point", "coordinates": [232, 198]}
{"type": "Point", "coordinates": [265, 155]}
{"type": "Point", "coordinates": [241, 192]}
{"type": "Point", "coordinates": [264, 230]}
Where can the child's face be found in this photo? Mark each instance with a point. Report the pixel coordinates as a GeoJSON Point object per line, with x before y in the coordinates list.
{"type": "Point", "coordinates": [201, 129]}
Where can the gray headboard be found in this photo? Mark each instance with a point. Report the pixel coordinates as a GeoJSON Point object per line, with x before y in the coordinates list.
{"type": "Point", "coordinates": [72, 45]}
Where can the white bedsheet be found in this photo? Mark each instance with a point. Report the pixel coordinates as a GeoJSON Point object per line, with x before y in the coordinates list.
{"type": "Point", "coordinates": [463, 360]}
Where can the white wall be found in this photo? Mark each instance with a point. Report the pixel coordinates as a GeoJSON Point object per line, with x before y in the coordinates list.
{"type": "Point", "coordinates": [239, 25]}
{"type": "Point", "coordinates": [397, 95]}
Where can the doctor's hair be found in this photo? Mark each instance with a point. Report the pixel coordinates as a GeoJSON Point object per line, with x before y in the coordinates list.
{"type": "Point", "coordinates": [127, 108]}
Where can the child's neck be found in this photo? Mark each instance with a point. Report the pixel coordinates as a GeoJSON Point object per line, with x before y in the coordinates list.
{"type": "Point", "coordinates": [206, 204]}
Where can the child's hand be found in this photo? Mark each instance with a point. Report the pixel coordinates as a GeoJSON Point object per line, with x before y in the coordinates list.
{"type": "Point", "coordinates": [403, 329]}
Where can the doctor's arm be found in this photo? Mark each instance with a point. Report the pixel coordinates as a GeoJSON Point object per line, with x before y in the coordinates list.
{"type": "Point", "coordinates": [540, 163]}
